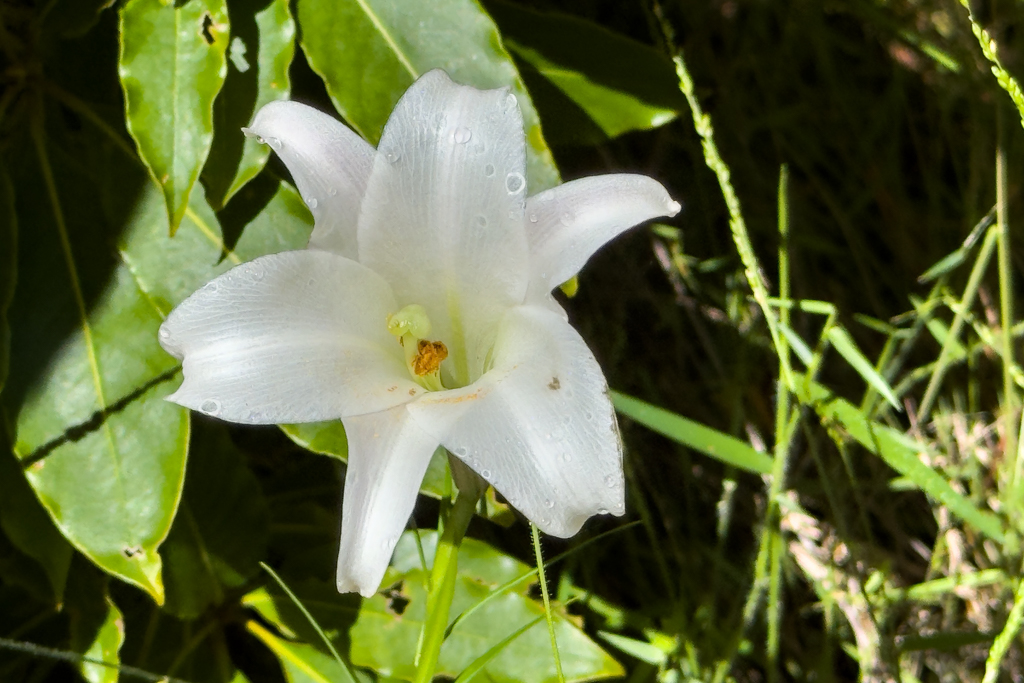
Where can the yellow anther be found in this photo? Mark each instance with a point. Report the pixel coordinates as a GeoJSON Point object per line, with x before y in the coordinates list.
{"type": "Point", "coordinates": [429, 355]}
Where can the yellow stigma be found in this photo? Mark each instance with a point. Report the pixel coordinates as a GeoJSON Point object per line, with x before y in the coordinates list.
{"type": "Point", "coordinates": [423, 357]}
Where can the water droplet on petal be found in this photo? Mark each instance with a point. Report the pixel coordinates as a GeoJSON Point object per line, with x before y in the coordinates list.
{"type": "Point", "coordinates": [567, 219]}
{"type": "Point", "coordinates": [515, 183]}
{"type": "Point", "coordinates": [393, 156]}
{"type": "Point", "coordinates": [566, 457]}
{"type": "Point", "coordinates": [489, 170]}
{"type": "Point", "coordinates": [333, 192]}
{"type": "Point", "coordinates": [165, 333]}
{"type": "Point", "coordinates": [602, 511]}
{"type": "Point", "coordinates": [549, 504]}
{"type": "Point", "coordinates": [462, 135]}
{"type": "Point", "coordinates": [481, 221]}
{"type": "Point", "coordinates": [312, 202]}
{"type": "Point", "coordinates": [611, 481]}
{"type": "Point", "coordinates": [510, 102]}
{"type": "Point", "coordinates": [210, 406]}
{"type": "Point", "coordinates": [258, 272]}
{"type": "Point", "coordinates": [275, 144]}
{"type": "Point", "coordinates": [461, 451]}
{"type": "Point", "coordinates": [486, 474]}
{"type": "Point", "coordinates": [588, 415]}
{"type": "Point", "coordinates": [533, 218]}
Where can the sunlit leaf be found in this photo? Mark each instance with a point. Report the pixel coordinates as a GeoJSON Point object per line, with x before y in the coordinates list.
{"type": "Point", "coordinates": [386, 627]}
{"type": "Point", "coordinates": [389, 44]}
{"type": "Point", "coordinates": [301, 663]}
{"type": "Point", "coordinates": [595, 68]}
{"type": "Point", "coordinates": [172, 66]}
{"type": "Point", "coordinates": [261, 50]}
{"type": "Point", "coordinates": [102, 450]}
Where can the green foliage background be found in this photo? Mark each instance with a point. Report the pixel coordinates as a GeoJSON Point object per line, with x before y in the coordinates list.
{"type": "Point", "coordinates": [820, 339]}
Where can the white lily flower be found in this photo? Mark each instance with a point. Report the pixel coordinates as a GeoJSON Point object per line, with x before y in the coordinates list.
{"type": "Point", "coordinates": [421, 315]}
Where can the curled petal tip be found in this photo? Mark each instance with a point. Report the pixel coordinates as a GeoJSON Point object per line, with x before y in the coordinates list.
{"type": "Point", "coordinates": [249, 132]}
{"type": "Point", "coordinates": [674, 207]}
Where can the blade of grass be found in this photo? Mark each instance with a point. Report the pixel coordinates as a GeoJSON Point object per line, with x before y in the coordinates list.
{"type": "Point", "coordinates": [312, 622]}
{"type": "Point", "coordinates": [711, 442]}
{"type": "Point", "coordinates": [1005, 639]}
{"type": "Point", "coordinates": [542, 579]}
{"type": "Point", "coordinates": [843, 343]}
{"type": "Point", "coordinates": [738, 226]}
{"type": "Point", "coordinates": [483, 660]}
{"type": "Point", "coordinates": [970, 291]}
{"type": "Point", "coordinates": [900, 453]}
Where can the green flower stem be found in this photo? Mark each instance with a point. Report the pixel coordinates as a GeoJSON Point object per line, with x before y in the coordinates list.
{"type": "Point", "coordinates": [442, 584]}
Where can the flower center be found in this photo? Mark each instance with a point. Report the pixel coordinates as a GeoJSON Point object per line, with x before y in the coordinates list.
{"type": "Point", "coordinates": [423, 357]}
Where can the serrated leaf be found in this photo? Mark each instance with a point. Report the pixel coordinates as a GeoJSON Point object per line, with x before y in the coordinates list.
{"type": "Point", "coordinates": [389, 44]}
{"type": "Point", "coordinates": [843, 343]}
{"type": "Point", "coordinates": [220, 532]}
{"type": "Point", "coordinates": [29, 527]}
{"type": "Point", "coordinates": [259, 55]}
{"type": "Point", "coordinates": [594, 67]}
{"type": "Point", "coordinates": [172, 65]}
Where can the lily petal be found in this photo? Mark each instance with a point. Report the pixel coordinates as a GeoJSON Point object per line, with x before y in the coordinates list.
{"type": "Point", "coordinates": [329, 163]}
{"type": "Point", "coordinates": [293, 337]}
{"type": "Point", "coordinates": [442, 218]}
{"type": "Point", "coordinates": [568, 223]}
{"type": "Point", "coordinates": [539, 426]}
{"type": "Point", "coordinates": [388, 455]}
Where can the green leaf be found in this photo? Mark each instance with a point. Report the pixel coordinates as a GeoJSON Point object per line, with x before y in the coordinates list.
{"type": "Point", "coordinates": [97, 627]}
{"type": "Point", "coordinates": [172, 65]}
{"type": "Point", "coordinates": [899, 452]}
{"type": "Point", "coordinates": [221, 529]}
{"type": "Point", "coordinates": [103, 451]}
{"type": "Point", "coordinates": [388, 45]}
{"type": "Point", "coordinates": [847, 348]}
{"type": "Point", "coordinates": [30, 528]}
{"type": "Point", "coordinates": [638, 649]}
{"type": "Point", "coordinates": [387, 626]}
{"type": "Point", "coordinates": [595, 68]}
{"type": "Point", "coordinates": [301, 663]}
{"type": "Point", "coordinates": [259, 55]}
{"type": "Point", "coordinates": [712, 442]}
